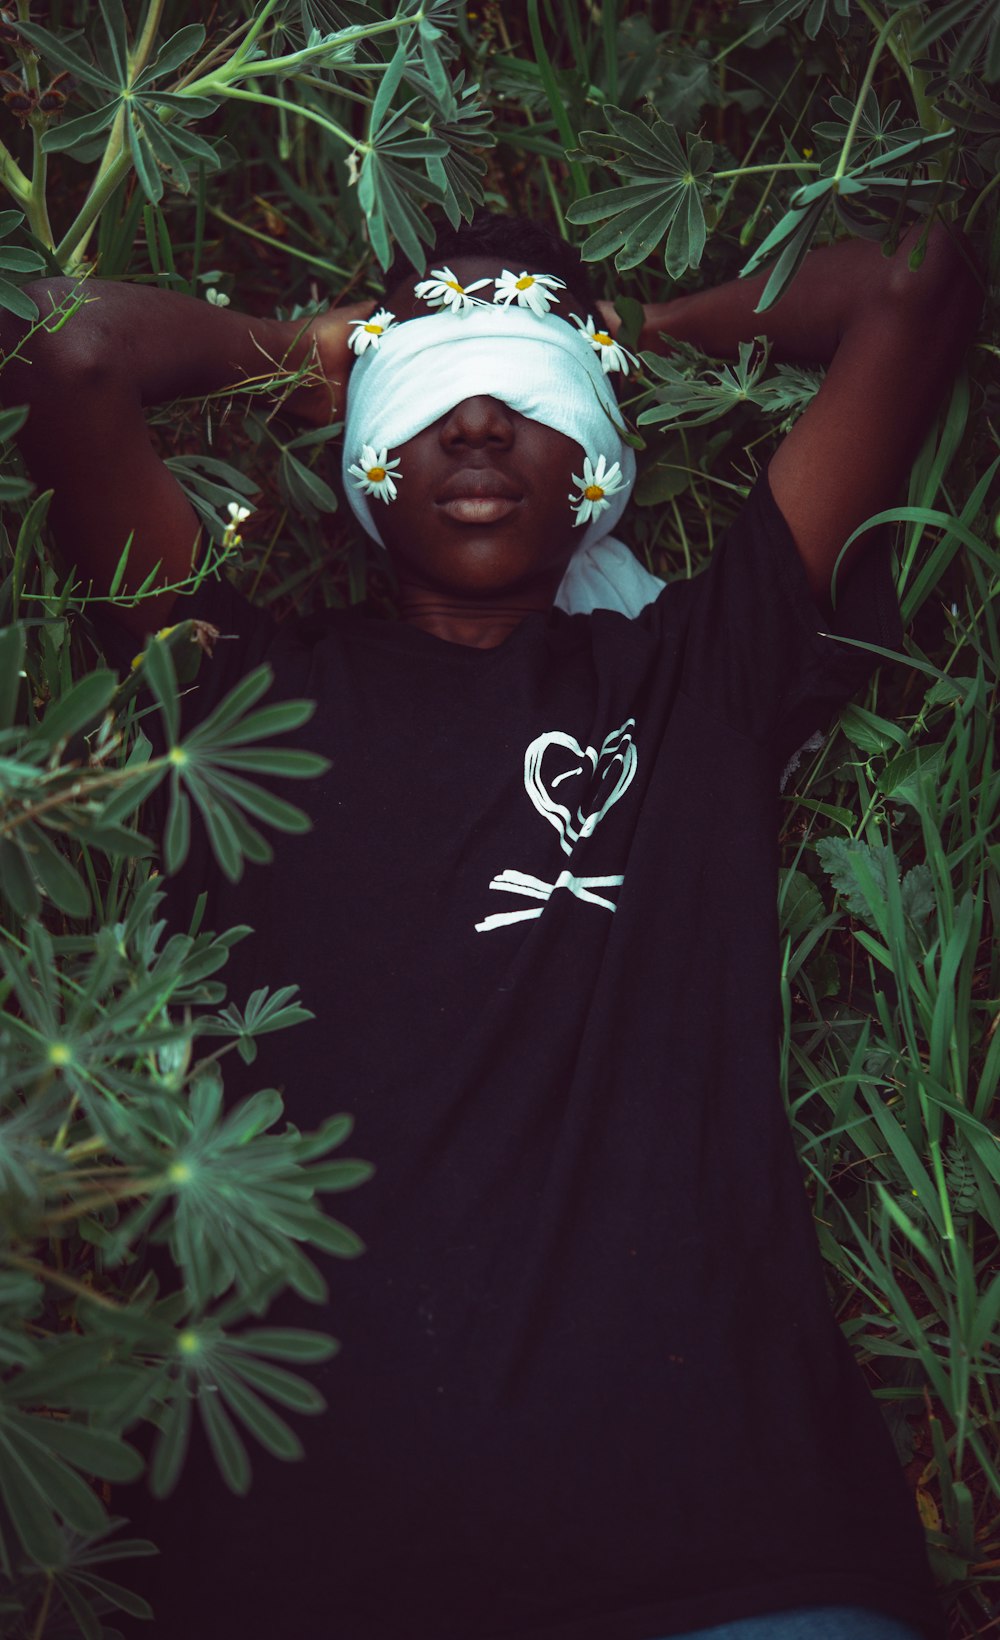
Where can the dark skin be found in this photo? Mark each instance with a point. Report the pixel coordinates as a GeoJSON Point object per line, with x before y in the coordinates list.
{"type": "Point", "coordinates": [469, 571]}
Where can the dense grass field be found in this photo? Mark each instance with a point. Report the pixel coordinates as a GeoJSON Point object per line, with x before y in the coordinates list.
{"type": "Point", "coordinates": [277, 157]}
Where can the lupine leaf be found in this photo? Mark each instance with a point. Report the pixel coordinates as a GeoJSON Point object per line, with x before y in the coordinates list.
{"type": "Point", "coordinates": [55, 50]}
{"type": "Point", "coordinates": [665, 201]}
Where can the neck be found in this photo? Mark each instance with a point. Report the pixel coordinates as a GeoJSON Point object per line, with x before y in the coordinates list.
{"type": "Point", "coordinates": [478, 622]}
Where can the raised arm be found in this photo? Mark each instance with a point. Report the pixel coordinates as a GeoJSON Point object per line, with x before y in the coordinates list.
{"type": "Point", "coordinates": [87, 386]}
{"type": "Point", "coordinates": [891, 340]}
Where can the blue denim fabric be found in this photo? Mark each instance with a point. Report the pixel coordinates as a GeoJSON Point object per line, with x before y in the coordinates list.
{"type": "Point", "coordinates": [811, 1623]}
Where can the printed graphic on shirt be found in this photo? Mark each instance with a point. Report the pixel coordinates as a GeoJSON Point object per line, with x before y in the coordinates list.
{"type": "Point", "coordinates": [572, 787]}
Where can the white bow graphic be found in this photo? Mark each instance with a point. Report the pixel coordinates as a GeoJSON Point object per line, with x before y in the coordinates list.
{"type": "Point", "coordinates": [615, 762]}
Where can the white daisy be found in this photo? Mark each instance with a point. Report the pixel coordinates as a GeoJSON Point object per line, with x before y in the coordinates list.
{"type": "Point", "coordinates": [530, 290]}
{"type": "Point", "coordinates": [373, 473]}
{"type": "Point", "coordinates": [442, 289]}
{"type": "Point", "coordinates": [369, 332]}
{"type": "Point", "coordinates": [613, 355]}
{"type": "Point", "coordinates": [595, 486]}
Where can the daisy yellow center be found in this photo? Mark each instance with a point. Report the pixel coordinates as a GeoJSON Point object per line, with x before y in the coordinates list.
{"type": "Point", "coordinates": [593, 492]}
{"type": "Point", "coordinates": [453, 284]}
{"type": "Point", "coordinates": [522, 284]}
{"type": "Point", "coordinates": [376, 474]}
{"type": "Point", "coordinates": [374, 330]}
{"type": "Point", "coordinates": [603, 337]}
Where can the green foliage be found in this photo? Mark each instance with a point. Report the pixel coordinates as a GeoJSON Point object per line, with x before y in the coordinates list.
{"type": "Point", "coordinates": [277, 155]}
{"type": "Point", "coordinates": [663, 200]}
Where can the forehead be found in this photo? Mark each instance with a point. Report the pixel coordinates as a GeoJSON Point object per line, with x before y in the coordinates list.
{"type": "Point", "coordinates": [467, 269]}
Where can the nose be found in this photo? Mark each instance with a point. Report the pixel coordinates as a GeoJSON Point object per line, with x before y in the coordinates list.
{"type": "Point", "coordinates": [478, 421]}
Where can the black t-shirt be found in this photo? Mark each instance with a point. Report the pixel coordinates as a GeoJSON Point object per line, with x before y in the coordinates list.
{"type": "Point", "coordinates": [590, 1386]}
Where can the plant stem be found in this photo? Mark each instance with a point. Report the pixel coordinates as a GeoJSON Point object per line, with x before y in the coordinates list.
{"type": "Point", "coordinates": [147, 39]}
{"type": "Point", "coordinates": [219, 88]}
{"type": "Point", "coordinates": [104, 1198]}
{"type": "Point", "coordinates": [993, 182]}
{"type": "Point", "coordinates": [238, 68]}
{"type": "Point", "coordinates": [70, 249]}
{"type": "Point", "coordinates": [254, 31]}
{"type": "Point", "coordinates": [86, 1147]}
{"type": "Point", "coordinates": [43, 1614]}
{"type": "Point", "coordinates": [80, 790]}
{"type": "Point", "coordinates": [279, 244]}
{"type": "Point", "coordinates": [13, 178]}
{"type": "Point", "coordinates": [58, 1279]}
{"type": "Point", "coordinates": [866, 84]}
{"type": "Point", "coordinates": [116, 159]}
{"type": "Point", "coordinates": [734, 43]}
{"type": "Point", "coordinates": [203, 68]}
{"type": "Point", "coordinates": [60, 1138]}
{"type": "Point", "coordinates": [37, 208]}
{"type": "Point", "coordinates": [781, 165]}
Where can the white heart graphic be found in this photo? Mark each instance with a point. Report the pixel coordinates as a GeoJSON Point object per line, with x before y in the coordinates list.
{"type": "Point", "coordinates": [599, 779]}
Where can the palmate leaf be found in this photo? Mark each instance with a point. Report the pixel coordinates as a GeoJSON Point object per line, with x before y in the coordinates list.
{"type": "Point", "coordinates": [55, 50]}
{"type": "Point", "coordinates": [461, 121]}
{"type": "Point", "coordinates": [264, 1013]}
{"type": "Point", "coordinates": [793, 235]}
{"type": "Point", "coordinates": [665, 199]}
{"type": "Point", "coordinates": [240, 1196]}
{"type": "Point", "coordinates": [692, 401]}
{"type": "Point", "coordinates": [775, 12]}
{"type": "Point", "coordinates": [205, 761]}
{"type": "Point", "coordinates": [16, 259]}
{"type": "Point", "coordinates": [306, 490]}
{"type": "Point", "coordinates": [204, 767]}
{"type": "Point", "coordinates": [391, 195]}
{"type": "Point", "coordinates": [14, 300]}
{"type": "Point", "coordinates": [47, 1458]}
{"type": "Point", "coordinates": [150, 145]}
{"type": "Point", "coordinates": [874, 129]}
{"type": "Point", "coordinates": [979, 40]}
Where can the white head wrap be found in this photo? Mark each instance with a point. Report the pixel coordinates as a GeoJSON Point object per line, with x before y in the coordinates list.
{"type": "Point", "coordinates": [538, 365]}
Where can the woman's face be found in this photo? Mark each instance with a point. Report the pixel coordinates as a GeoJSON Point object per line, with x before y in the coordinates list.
{"type": "Point", "coordinates": [483, 504]}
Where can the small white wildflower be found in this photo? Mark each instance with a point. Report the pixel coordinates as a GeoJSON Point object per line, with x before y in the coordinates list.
{"type": "Point", "coordinates": [231, 536]}
{"type": "Point", "coordinates": [369, 332]}
{"type": "Point", "coordinates": [595, 486]}
{"type": "Point", "coordinates": [218, 298]}
{"type": "Point", "coordinates": [613, 355]}
{"type": "Point", "coordinates": [373, 474]}
{"type": "Point", "coordinates": [442, 289]}
{"type": "Point", "coordinates": [530, 290]}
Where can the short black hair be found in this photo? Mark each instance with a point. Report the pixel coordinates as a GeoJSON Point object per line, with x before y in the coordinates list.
{"type": "Point", "coordinates": [508, 238]}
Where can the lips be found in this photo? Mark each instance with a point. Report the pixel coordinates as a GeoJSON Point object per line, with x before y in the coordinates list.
{"type": "Point", "coordinates": [478, 496]}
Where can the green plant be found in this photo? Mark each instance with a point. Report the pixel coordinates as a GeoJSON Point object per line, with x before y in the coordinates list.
{"type": "Point", "coordinates": [277, 160]}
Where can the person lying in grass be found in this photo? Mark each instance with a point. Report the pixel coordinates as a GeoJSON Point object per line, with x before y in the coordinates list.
{"type": "Point", "coordinates": [590, 1386]}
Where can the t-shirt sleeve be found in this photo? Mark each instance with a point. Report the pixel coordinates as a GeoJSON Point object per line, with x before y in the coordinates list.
{"type": "Point", "coordinates": [757, 649]}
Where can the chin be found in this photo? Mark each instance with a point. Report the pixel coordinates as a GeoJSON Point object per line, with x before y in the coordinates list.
{"type": "Point", "coordinates": [483, 567]}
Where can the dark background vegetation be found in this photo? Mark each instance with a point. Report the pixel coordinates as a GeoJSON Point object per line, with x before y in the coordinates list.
{"type": "Point", "coordinates": [673, 142]}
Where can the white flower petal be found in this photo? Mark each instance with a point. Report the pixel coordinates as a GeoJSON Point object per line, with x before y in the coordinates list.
{"type": "Point", "coordinates": [369, 332]}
